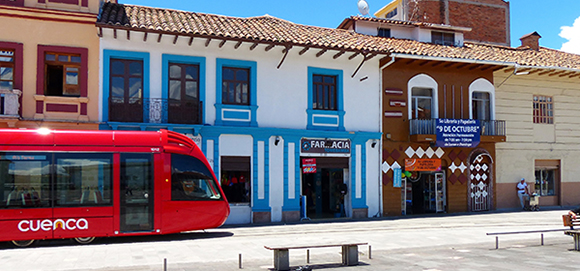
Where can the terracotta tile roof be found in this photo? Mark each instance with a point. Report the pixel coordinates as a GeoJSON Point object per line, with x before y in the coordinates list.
{"type": "Point", "coordinates": [263, 28]}
{"type": "Point", "coordinates": [269, 29]}
{"type": "Point", "coordinates": [399, 22]}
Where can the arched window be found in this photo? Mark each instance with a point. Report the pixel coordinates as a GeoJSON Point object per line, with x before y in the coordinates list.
{"type": "Point", "coordinates": [422, 96]}
{"type": "Point", "coordinates": [481, 97]}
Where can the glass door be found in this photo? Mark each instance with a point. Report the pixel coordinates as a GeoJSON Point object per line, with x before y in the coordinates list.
{"type": "Point", "coordinates": [136, 192]}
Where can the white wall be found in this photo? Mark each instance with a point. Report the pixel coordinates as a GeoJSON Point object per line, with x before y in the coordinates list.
{"type": "Point", "coordinates": [276, 178]}
{"type": "Point", "coordinates": [282, 93]}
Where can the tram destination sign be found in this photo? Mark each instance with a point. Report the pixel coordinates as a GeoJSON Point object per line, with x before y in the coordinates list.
{"type": "Point", "coordinates": [463, 133]}
{"type": "Point", "coordinates": [325, 145]}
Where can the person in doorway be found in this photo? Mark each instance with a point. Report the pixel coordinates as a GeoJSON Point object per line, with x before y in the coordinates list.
{"type": "Point", "coordinates": [523, 192]}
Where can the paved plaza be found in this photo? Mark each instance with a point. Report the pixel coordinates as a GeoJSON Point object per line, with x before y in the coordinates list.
{"type": "Point", "coordinates": [442, 242]}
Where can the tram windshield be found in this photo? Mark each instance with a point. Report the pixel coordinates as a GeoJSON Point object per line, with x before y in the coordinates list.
{"type": "Point", "coordinates": [192, 180]}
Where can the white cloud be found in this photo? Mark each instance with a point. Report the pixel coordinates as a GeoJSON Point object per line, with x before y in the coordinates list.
{"type": "Point", "coordinates": [572, 34]}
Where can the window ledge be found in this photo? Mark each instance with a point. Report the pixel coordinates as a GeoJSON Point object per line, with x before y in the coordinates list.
{"type": "Point", "coordinates": [61, 99]}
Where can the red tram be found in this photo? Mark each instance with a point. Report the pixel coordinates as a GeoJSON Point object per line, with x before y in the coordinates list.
{"type": "Point", "coordinates": [86, 184]}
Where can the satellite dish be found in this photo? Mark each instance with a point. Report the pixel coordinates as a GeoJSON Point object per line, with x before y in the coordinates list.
{"type": "Point", "coordinates": [363, 7]}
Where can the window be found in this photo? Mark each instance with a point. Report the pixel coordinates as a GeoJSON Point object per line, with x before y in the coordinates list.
{"type": "Point", "coordinates": [442, 38]}
{"type": "Point", "coordinates": [391, 14]}
{"type": "Point", "coordinates": [235, 178]}
{"type": "Point", "coordinates": [79, 180]}
{"type": "Point", "coordinates": [324, 96]}
{"type": "Point", "coordinates": [384, 32]}
{"type": "Point", "coordinates": [83, 179]}
{"type": "Point", "coordinates": [126, 93]}
{"type": "Point", "coordinates": [192, 180]}
{"type": "Point", "coordinates": [183, 96]}
{"type": "Point", "coordinates": [17, 3]}
{"type": "Point", "coordinates": [543, 109]}
{"type": "Point", "coordinates": [62, 74]}
{"type": "Point", "coordinates": [421, 106]}
{"type": "Point", "coordinates": [235, 86]}
{"type": "Point", "coordinates": [236, 103]}
{"type": "Point", "coordinates": [481, 106]}
{"type": "Point", "coordinates": [24, 180]}
{"type": "Point", "coordinates": [6, 69]}
{"type": "Point", "coordinates": [545, 183]}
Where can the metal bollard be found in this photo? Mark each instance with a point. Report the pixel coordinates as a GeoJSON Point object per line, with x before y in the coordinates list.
{"type": "Point", "coordinates": [497, 242]}
{"type": "Point", "coordinates": [240, 261]}
{"type": "Point", "coordinates": [370, 255]}
{"type": "Point", "coordinates": [164, 264]}
{"type": "Point", "coordinates": [308, 256]}
{"type": "Point", "coordinates": [542, 239]}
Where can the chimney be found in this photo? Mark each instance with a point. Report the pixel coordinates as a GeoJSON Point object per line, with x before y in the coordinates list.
{"type": "Point", "coordinates": [531, 41]}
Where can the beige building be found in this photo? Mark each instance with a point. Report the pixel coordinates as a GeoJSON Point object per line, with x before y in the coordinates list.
{"type": "Point", "coordinates": [49, 64]}
{"type": "Point", "coordinates": [539, 101]}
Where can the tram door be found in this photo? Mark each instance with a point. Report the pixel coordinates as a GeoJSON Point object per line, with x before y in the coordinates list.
{"type": "Point", "coordinates": [136, 192]}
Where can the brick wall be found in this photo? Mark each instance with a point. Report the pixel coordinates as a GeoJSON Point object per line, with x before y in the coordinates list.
{"type": "Point", "coordinates": [489, 19]}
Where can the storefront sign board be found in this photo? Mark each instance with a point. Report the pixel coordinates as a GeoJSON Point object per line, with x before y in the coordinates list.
{"type": "Point", "coordinates": [308, 165]}
{"type": "Point", "coordinates": [458, 133]}
{"type": "Point", "coordinates": [325, 145]}
{"type": "Point", "coordinates": [422, 164]}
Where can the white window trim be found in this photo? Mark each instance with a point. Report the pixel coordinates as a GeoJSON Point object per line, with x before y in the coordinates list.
{"type": "Point", "coordinates": [482, 85]}
{"type": "Point", "coordinates": [423, 81]}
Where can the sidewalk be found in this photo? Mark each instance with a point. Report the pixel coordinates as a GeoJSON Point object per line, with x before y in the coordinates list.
{"type": "Point", "coordinates": [442, 242]}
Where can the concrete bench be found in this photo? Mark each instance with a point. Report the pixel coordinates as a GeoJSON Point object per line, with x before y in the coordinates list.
{"type": "Point", "coordinates": [282, 259]}
{"type": "Point", "coordinates": [572, 222]}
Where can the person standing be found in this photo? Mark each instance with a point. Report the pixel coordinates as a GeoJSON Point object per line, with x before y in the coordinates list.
{"type": "Point", "coordinates": [523, 191]}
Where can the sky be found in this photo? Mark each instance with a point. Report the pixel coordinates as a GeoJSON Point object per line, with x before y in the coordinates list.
{"type": "Point", "coordinates": [557, 21]}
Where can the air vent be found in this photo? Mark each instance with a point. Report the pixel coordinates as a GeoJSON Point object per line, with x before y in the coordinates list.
{"type": "Point", "coordinates": [180, 140]}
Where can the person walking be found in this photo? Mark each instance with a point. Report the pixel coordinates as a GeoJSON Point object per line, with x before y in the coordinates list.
{"type": "Point", "coordinates": [523, 192]}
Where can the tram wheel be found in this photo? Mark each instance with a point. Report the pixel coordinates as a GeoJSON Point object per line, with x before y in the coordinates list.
{"type": "Point", "coordinates": [23, 243]}
{"type": "Point", "coordinates": [84, 240]}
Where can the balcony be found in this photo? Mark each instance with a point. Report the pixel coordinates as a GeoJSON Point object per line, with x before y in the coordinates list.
{"type": "Point", "coordinates": [423, 130]}
{"type": "Point", "coordinates": [155, 111]}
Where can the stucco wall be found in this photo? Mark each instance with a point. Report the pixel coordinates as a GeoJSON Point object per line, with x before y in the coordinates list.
{"type": "Point", "coordinates": [56, 31]}
{"type": "Point", "coordinates": [527, 142]}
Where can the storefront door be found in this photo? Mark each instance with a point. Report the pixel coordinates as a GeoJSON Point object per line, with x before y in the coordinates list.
{"type": "Point", "coordinates": [325, 191]}
{"type": "Point", "coordinates": [425, 193]}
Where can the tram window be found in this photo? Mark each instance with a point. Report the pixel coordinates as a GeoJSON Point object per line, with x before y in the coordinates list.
{"type": "Point", "coordinates": [191, 180]}
{"type": "Point", "coordinates": [24, 180]}
{"type": "Point", "coordinates": [83, 179]}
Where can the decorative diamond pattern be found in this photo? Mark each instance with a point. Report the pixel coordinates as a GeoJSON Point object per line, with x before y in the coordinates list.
{"type": "Point", "coordinates": [395, 165]}
{"type": "Point", "coordinates": [484, 177]}
{"type": "Point", "coordinates": [471, 167]}
{"type": "Point", "coordinates": [452, 167]}
{"type": "Point", "coordinates": [484, 167]}
{"type": "Point", "coordinates": [420, 152]}
{"type": "Point", "coordinates": [462, 167]}
{"type": "Point", "coordinates": [410, 152]}
{"type": "Point", "coordinates": [478, 177]}
{"type": "Point", "coordinates": [429, 152]}
{"type": "Point", "coordinates": [439, 152]}
{"type": "Point", "coordinates": [484, 193]}
{"type": "Point", "coordinates": [396, 154]}
{"type": "Point", "coordinates": [481, 185]}
{"type": "Point", "coordinates": [477, 167]}
{"type": "Point", "coordinates": [452, 179]}
{"type": "Point", "coordinates": [479, 158]}
{"type": "Point", "coordinates": [452, 155]}
{"type": "Point", "coordinates": [462, 179]}
{"type": "Point", "coordinates": [462, 156]}
{"type": "Point", "coordinates": [385, 167]}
